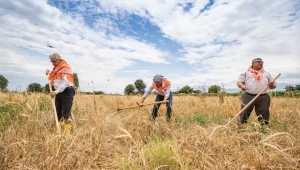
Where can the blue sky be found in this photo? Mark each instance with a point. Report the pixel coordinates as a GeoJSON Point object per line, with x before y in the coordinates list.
{"type": "Point", "coordinates": [190, 42]}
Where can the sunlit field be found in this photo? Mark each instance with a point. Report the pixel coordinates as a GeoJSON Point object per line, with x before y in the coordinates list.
{"type": "Point", "coordinates": [197, 137]}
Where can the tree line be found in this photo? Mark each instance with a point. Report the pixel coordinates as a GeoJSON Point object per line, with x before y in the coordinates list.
{"type": "Point", "coordinates": [295, 88]}
{"type": "Point", "coordinates": [33, 87]}
{"type": "Point", "coordinates": [138, 87]}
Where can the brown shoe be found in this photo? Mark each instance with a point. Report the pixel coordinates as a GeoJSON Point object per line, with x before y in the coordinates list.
{"type": "Point", "coordinates": [168, 118]}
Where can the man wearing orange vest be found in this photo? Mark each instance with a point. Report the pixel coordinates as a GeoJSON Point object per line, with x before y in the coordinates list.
{"type": "Point", "coordinates": [163, 88]}
{"type": "Point", "coordinates": [61, 77]}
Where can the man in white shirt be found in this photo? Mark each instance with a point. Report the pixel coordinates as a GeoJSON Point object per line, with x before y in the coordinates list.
{"type": "Point", "coordinates": [252, 82]}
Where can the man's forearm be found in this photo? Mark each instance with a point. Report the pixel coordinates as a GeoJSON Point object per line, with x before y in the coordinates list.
{"type": "Point", "coordinates": [143, 99]}
{"type": "Point", "coordinates": [240, 84]}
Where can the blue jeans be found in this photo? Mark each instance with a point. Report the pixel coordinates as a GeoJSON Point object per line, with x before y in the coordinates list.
{"type": "Point", "coordinates": [168, 104]}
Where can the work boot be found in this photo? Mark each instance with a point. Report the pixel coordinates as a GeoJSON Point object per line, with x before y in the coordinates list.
{"type": "Point", "coordinates": [68, 120]}
{"type": "Point", "coordinates": [61, 124]}
{"type": "Point", "coordinates": [168, 118]}
{"type": "Point", "coordinates": [67, 129]}
{"type": "Point", "coordinates": [153, 118]}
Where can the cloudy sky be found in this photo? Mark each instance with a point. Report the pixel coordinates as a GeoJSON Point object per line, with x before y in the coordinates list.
{"type": "Point", "coordinates": [190, 42]}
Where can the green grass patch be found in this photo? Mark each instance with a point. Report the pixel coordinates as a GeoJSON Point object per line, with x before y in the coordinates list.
{"type": "Point", "coordinates": [45, 103]}
{"type": "Point", "coordinates": [158, 153]}
{"type": "Point", "coordinates": [201, 119]}
{"type": "Point", "coordinates": [7, 112]}
{"type": "Point", "coordinates": [281, 125]}
{"type": "Point", "coordinates": [124, 162]}
{"type": "Point", "coordinates": [162, 153]}
{"type": "Point", "coordinates": [183, 120]}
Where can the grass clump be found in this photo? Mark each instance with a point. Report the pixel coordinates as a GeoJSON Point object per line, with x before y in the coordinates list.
{"type": "Point", "coordinates": [198, 118]}
{"type": "Point", "coordinates": [124, 162]}
{"type": "Point", "coordinates": [160, 153]}
{"type": "Point", "coordinates": [7, 113]}
{"type": "Point", "coordinates": [280, 124]}
{"type": "Point", "coordinates": [45, 103]}
{"type": "Point", "coordinates": [183, 120]}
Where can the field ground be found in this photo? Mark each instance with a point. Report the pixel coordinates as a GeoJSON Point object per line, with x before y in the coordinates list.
{"type": "Point", "coordinates": [197, 136]}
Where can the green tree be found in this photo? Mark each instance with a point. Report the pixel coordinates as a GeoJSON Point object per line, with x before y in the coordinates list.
{"type": "Point", "coordinates": [3, 83]}
{"type": "Point", "coordinates": [129, 89]}
{"type": "Point", "coordinates": [186, 89]}
{"type": "Point", "coordinates": [297, 87]}
{"type": "Point", "coordinates": [76, 80]}
{"type": "Point", "coordinates": [34, 87]}
{"type": "Point", "coordinates": [289, 88]}
{"type": "Point", "coordinates": [47, 90]}
{"type": "Point", "coordinates": [98, 92]}
{"type": "Point", "coordinates": [214, 89]}
{"type": "Point", "coordinates": [140, 86]}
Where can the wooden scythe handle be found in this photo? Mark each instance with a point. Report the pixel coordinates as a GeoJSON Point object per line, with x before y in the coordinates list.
{"type": "Point", "coordinates": [139, 105]}
{"type": "Point", "coordinates": [54, 107]}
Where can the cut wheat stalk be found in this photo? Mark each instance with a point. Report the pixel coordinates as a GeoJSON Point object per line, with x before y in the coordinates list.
{"type": "Point", "coordinates": [276, 134]}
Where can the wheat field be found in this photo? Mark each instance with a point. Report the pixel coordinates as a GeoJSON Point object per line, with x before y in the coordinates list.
{"type": "Point", "coordinates": [104, 137]}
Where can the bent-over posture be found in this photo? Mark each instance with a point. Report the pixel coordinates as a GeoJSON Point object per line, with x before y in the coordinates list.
{"type": "Point", "coordinates": [163, 87]}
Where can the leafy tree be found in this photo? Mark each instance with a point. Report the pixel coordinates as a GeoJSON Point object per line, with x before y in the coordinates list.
{"type": "Point", "coordinates": [34, 87]}
{"type": "Point", "coordinates": [129, 89]}
{"type": "Point", "coordinates": [297, 87]}
{"type": "Point", "coordinates": [289, 88]}
{"type": "Point", "coordinates": [76, 80]}
{"type": "Point", "coordinates": [140, 86]}
{"type": "Point", "coordinates": [214, 89]}
{"type": "Point", "coordinates": [47, 90]}
{"type": "Point", "coordinates": [186, 89]}
{"type": "Point", "coordinates": [3, 83]}
{"type": "Point", "coordinates": [98, 92]}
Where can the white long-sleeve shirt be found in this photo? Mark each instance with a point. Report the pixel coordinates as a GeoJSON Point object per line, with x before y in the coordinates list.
{"type": "Point", "coordinates": [165, 93]}
{"type": "Point", "coordinates": [61, 84]}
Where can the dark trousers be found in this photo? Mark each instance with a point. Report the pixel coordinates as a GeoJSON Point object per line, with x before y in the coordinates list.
{"type": "Point", "coordinates": [262, 104]}
{"type": "Point", "coordinates": [168, 104]}
{"type": "Point", "coordinates": [63, 103]}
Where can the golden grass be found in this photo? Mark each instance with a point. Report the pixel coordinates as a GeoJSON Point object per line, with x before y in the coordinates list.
{"type": "Point", "coordinates": [104, 138]}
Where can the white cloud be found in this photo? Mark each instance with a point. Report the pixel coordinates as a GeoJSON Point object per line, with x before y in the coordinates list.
{"type": "Point", "coordinates": [217, 44]}
{"type": "Point", "coordinates": [87, 51]}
